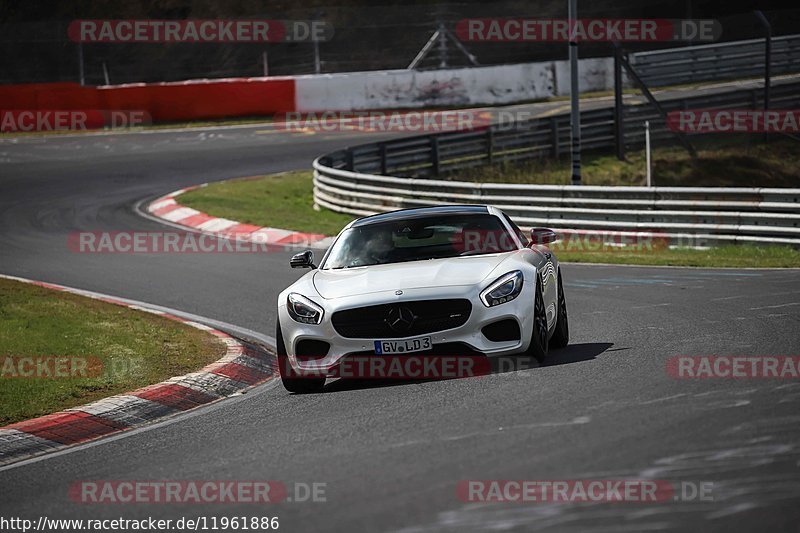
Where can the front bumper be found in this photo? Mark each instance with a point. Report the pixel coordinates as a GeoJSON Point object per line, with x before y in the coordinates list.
{"type": "Point", "coordinates": [520, 309]}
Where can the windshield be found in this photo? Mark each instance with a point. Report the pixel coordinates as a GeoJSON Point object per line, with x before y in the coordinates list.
{"type": "Point", "coordinates": [419, 239]}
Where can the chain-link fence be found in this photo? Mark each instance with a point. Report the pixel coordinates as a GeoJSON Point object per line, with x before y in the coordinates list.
{"type": "Point", "coordinates": [365, 38]}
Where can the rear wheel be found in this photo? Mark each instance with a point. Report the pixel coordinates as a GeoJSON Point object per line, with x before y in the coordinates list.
{"type": "Point", "coordinates": [561, 335]}
{"type": "Point", "coordinates": [293, 382]}
{"type": "Point", "coordinates": [539, 337]}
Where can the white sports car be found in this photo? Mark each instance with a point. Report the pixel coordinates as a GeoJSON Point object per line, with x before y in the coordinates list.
{"type": "Point", "coordinates": [450, 280]}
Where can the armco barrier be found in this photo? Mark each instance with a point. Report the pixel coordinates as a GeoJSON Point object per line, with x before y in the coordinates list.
{"type": "Point", "coordinates": [717, 61]}
{"type": "Point", "coordinates": [174, 101]}
{"type": "Point", "coordinates": [432, 155]}
{"type": "Point", "coordinates": [690, 216]}
{"type": "Point", "coordinates": [397, 174]}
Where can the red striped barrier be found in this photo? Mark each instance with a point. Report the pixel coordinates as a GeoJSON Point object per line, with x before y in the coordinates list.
{"type": "Point", "coordinates": [165, 102]}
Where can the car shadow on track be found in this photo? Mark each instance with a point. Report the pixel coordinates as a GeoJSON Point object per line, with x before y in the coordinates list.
{"type": "Point", "coordinates": [574, 353]}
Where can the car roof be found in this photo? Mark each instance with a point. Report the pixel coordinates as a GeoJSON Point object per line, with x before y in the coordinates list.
{"type": "Point", "coordinates": [420, 212]}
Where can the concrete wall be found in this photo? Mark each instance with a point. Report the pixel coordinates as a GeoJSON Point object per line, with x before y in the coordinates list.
{"type": "Point", "coordinates": [398, 89]}
{"type": "Point", "coordinates": [593, 74]}
{"type": "Point", "coordinates": [393, 89]}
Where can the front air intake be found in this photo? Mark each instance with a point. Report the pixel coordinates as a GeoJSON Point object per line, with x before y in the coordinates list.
{"type": "Point", "coordinates": [502, 331]}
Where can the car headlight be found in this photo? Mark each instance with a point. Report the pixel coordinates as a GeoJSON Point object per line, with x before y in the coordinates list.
{"type": "Point", "coordinates": [301, 309]}
{"type": "Point", "coordinates": [504, 289]}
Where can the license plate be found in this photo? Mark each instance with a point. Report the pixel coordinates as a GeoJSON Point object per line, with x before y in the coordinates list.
{"type": "Point", "coordinates": [403, 346]}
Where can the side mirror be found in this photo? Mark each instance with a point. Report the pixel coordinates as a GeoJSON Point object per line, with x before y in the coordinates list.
{"type": "Point", "coordinates": [543, 236]}
{"type": "Point", "coordinates": [303, 260]}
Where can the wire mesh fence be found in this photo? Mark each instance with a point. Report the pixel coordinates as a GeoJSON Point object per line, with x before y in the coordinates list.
{"type": "Point", "coordinates": [365, 37]}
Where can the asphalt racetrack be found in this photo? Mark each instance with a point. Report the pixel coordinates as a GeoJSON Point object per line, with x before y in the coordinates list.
{"type": "Point", "coordinates": [391, 455]}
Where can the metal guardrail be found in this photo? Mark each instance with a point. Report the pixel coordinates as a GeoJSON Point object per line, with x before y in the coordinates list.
{"type": "Point", "coordinates": [709, 62]}
{"type": "Point", "coordinates": [687, 216]}
{"type": "Point", "coordinates": [437, 154]}
{"type": "Point", "coordinates": [395, 174]}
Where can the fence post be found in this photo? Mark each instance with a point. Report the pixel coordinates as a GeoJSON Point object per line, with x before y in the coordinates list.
{"type": "Point", "coordinates": [442, 46]}
{"type": "Point", "coordinates": [315, 42]}
{"type": "Point", "coordinates": [767, 56]}
{"type": "Point", "coordinates": [652, 99]}
{"type": "Point", "coordinates": [555, 135]}
{"type": "Point", "coordinates": [490, 145]}
{"type": "Point", "coordinates": [81, 76]}
{"type": "Point", "coordinates": [647, 150]}
{"type": "Point", "coordinates": [574, 94]}
{"type": "Point", "coordinates": [619, 124]}
{"type": "Point", "coordinates": [767, 61]}
{"type": "Point", "coordinates": [351, 163]}
{"type": "Point", "coordinates": [435, 154]}
{"type": "Point", "coordinates": [382, 149]}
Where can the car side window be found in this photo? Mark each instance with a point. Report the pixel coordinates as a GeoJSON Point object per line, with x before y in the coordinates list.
{"type": "Point", "coordinates": [519, 232]}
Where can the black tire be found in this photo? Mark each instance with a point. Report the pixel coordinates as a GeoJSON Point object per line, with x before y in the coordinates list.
{"type": "Point", "coordinates": [560, 336]}
{"type": "Point", "coordinates": [291, 381]}
{"type": "Point", "coordinates": [539, 336]}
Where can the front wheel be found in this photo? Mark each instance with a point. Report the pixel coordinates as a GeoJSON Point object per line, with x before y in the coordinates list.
{"type": "Point", "coordinates": [539, 337]}
{"type": "Point", "coordinates": [292, 381]}
{"type": "Point", "coordinates": [561, 335]}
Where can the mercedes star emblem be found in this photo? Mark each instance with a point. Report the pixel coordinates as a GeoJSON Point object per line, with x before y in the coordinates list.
{"type": "Point", "coordinates": [400, 318]}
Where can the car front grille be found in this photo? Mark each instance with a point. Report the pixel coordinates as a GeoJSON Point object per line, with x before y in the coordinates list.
{"type": "Point", "coordinates": [401, 319]}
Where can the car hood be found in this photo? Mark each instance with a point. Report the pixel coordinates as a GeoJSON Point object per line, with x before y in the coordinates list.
{"type": "Point", "coordinates": [411, 275]}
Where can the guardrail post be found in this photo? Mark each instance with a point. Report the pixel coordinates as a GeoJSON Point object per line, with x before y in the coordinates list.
{"type": "Point", "coordinates": [351, 164]}
{"type": "Point", "coordinates": [490, 145]}
{"type": "Point", "coordinates": [555, 136]}
{"type": "Point", "coordinates": [435, 154]}
{"type": "Point", "coordinates": [382, 149]}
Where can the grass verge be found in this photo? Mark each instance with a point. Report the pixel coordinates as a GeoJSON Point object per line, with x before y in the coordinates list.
{"type": "Point", "coordinates": [285, 201]}
{"type": "Point", "coordinates": [279, 201]}
{"type": "Point", "coordinates": [733, 256]}
{"type": "Point", "coordinates": [125, 349]}
{"type": "Point", "coordinates": [742, 164]}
